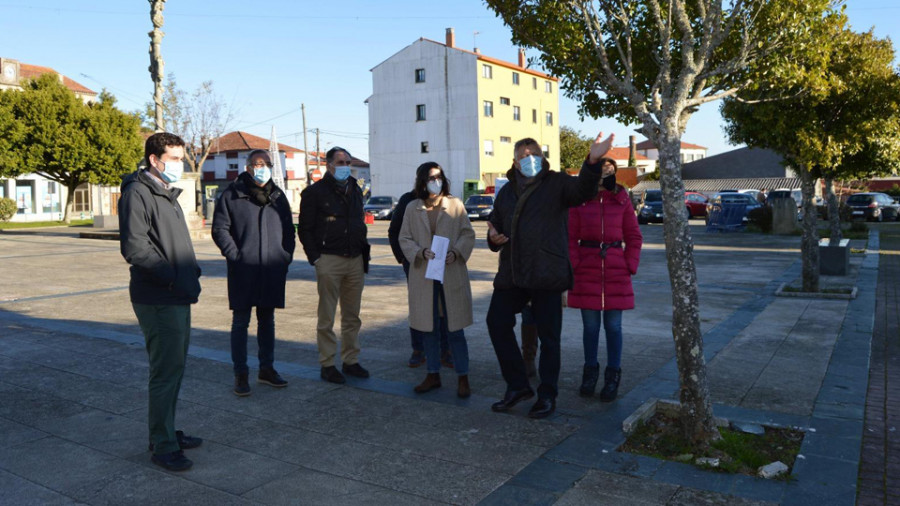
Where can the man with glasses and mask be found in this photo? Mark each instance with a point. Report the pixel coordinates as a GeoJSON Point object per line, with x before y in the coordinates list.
{"type": "Point", "coordinates": [529, 229]}
{"type": "Point", "coordinates": [254, 229]}
{"type": "Point", "coordinates": [154, 239]}
{"type": "Point", "coordinates": [332, 229]}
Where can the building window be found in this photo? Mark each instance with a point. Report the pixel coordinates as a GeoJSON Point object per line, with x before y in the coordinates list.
{"type": "Point", "coordinates": [504, 101]}
{"type": "Point", "coordinates": [81, 201]}
{"type": "Point", "coordinates": [517, 113]}
{"type": "Point", "coordinates": [488, 109]}
{"type": "Point", "coordinates": [516, 78]}
{"type": "Point", "coordinates": [505, 140]}
{"type": "Point", "coordinates": [232, 166]}
{"type": "Point", "coordinates": [549, 117]}
{"type": "Point", "coordinates": [420, 112]}
{"type": "Point", "coordinates": [534, 82]}
{"type": "Point", "coordinates": [424, 147]}
{"type": "Point", "coordinates": [546, 149]}
{"type": "Point", "coordinates": [487, 72]}
{"type": "Point", "coordinates": [420, 75]}
{"type": "Point", "coordinates": [489, 148]}
{"type": "Point", "coordinates": [534, 116]}
{"type": "Point", "coordinates": [548, 86]}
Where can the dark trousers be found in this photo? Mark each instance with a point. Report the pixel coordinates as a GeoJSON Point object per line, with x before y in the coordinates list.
{"type": "Point", "coordinates": [167, 334]}
{"type": "Point", "coordinates": [546, 308]}
{"type": "Point", "coordinates": [417, 337]}
{"type": "Point", "coordinates": [265, 337]}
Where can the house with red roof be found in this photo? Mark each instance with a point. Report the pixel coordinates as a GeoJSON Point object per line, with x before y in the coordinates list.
{"type": "Point", "coordinates": [38, 198]}
{"type": "Point", "coordinates": [689, 152]}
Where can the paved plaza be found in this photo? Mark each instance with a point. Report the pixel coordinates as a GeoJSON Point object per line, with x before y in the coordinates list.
{"type": "Point", "coordinates": [73, 388]}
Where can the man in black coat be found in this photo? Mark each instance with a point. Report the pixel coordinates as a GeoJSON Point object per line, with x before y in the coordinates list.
{"type": "Point", "coordinates": [333, 233]}
{"type": "Point", "coordinates": [529, 229]}
{"type": "Point", "coordinates": [416, 338]}
{"type": "Point", "coordinates": [155, 241]}
{"type": "Point", "coordinates": [253, 228]}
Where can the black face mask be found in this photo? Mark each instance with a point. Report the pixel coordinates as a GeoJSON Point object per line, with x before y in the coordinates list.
{"type": "Point", "coordinates": [609, 182]}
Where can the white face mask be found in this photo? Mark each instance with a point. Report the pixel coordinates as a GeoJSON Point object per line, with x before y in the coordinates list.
{"type": "Point", "coordinates": [435, 187]}
{"type": "Point", "coordinates": [172, 171]}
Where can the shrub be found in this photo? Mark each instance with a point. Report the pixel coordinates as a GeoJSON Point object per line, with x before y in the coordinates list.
{"type": "Point", "coordinates": [859, 226]}
{"type": "Point", "coordinates": [8, 209]}
{"type": "Point", "coordinates": [761, 217]}
{"type": "Point", "coordinates": [894, 191]}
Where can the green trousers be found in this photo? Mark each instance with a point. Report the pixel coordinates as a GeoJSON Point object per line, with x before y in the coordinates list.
{"type": "Point", "coordinates": [167, 333]}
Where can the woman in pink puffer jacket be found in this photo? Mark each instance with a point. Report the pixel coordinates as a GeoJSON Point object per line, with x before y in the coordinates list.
{"type": "Point", "coordinates": [605, 249]}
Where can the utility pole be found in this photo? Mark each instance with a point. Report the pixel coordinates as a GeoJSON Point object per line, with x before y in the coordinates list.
{"type": "Point", "coordinates": [305, 149]}
{"type": "Point", "coordinates": [317, 149]}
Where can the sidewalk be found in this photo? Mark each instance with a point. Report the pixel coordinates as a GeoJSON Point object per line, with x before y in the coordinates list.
{"type": "Point", "coordinates": [73, 390]}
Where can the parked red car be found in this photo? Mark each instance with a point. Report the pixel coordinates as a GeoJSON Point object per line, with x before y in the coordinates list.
{"type": "Point", "coordinates": [696, 204]}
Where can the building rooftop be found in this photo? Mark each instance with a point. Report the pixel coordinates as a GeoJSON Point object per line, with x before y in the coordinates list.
{"type": "Point", "coordinates": [28, 71]}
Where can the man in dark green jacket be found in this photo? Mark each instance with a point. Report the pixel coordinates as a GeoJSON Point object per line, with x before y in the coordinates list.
{"type": "Point", "coordinates": [529, 228]}
{"type": "Point", "coordinates": [155, 240]}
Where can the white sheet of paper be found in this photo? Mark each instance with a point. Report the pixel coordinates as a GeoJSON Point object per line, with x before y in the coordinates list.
{"type": "Point", "coordinates": [435, 269]}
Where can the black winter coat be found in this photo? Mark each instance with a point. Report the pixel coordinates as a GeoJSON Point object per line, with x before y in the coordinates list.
{"type": "Point", "coordinates": [536, 257]}
{"type": "Point", "coordinates": [258, 242]}
{"type": "Point", "coordinates": [332, 219]}
{"type": "Point", "coordinates": [154, 239]}
{"type": "Point", "coordinates": [396, 223]}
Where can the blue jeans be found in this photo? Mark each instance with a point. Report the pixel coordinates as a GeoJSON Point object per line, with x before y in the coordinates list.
{"type": "Point", "coordinates": [612, 324]}
{"type": "Point", "coordinates": [417, 337]}
{"type": "Point", "coordinates": [456, 339]}
{"type": "Point", "coordinates": [265, 337]}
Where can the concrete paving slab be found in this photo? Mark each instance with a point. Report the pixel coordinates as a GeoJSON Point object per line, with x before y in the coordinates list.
{"type": "Point", "coordinates": [101, 430]}
{"type": "Point", "coordinates": [27, 493]}
{"type": "Point", "coordinates": [599, 487]}
{"type": "Point", "coordinates": [13, 433]}
{"type": "Point", "coordinates": [142, 485]}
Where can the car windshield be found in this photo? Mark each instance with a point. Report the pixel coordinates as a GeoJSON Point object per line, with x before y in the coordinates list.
{"type": "Point", "coordinates": [479, 200]}
{"type": "Point", "coordinates": [653, 197]}
{"type": "Point", "coordinates": [859, 199]}
{"type": "Point", "coordinates": [379, 201]}
{"type": "Point", "coordinates": [736, 198]}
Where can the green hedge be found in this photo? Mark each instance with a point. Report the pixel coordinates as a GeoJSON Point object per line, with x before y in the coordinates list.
{"type": "Point", "coordinates": [8, 209]}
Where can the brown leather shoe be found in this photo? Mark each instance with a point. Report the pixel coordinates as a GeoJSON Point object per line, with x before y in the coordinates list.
{"type": "Point", "coordinates": [463, 391]}
{"type": "Point", "coordinates": [432, 381]}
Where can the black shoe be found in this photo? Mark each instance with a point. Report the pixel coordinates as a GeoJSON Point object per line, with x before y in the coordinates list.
{"type": "Point", "coordinates": [184, 442]}
{"type": "Point", "coordinates": [241, 385]}
{"type": "Point", "coordinates": [589, 378]}
{"type": "Point", "coordinates": [542, 408]}
{"type": "Point", "coordinates": [270, 376]}
{"type": "Point", "coordinates": [355, 370]}
{"type": "Point", "coordinates": [611, 378]}
{"type": "Point", "coordinates": [332, 375]}
{"type": "Point", "coordinates": [511, 398]}
{"type": "Point", "coordinates": [174, 461]}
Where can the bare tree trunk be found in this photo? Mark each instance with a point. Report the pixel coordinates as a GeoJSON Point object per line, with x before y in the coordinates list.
{"type": "Point", "coordinates": [70, 201]}
{"type": "Point", "coordinates": [157, 64]}
{"type": "Point", "coordinates": [696, 418]}
{"type": "Point", "coordinates": [809, 244]}
{"type": "Point", "coordinates": [834, 213]}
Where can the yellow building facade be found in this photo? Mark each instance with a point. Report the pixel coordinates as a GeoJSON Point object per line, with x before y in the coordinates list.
{"type": "Point", "coordinates": [514, 103]}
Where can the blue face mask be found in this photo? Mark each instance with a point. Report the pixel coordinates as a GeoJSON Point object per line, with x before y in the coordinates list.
{"type": "Point", "coordinates": [262, 175]}
{"type": "Point", "coordinates": [172, 171]}
{"type": "Point", "coordinates": [342, 172]}
{"type": "Point", "coordinates": [530, 165]}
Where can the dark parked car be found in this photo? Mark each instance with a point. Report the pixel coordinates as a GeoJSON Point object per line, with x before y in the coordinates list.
{"type": "Point", "coordinates": [720, 200]}
{"type": "Point", "coordinates": [479, 207]}
{"type": "Point", "coordinates": [380, 207]}
{"type": "Point", "coordinates": [650, 210]}
{"type": "Point", "coordinates": [873, 207]}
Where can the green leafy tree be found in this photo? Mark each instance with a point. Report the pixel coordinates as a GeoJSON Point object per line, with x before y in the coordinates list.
{"type": "Point", "coordinates": [655, 63]}
{"type": "Point", "coordinates": [846, 127]}
{"type": "Point", "coordinates": [572, 147]}
{"type": "Point", "coordinates": [65, 140]}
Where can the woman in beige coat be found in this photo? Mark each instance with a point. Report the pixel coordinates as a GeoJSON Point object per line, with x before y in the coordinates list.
{"type": "Point", "coordinates": [433, 305]}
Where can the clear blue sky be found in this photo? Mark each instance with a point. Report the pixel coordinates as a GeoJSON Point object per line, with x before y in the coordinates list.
{"type": "Point", "coordinates": [267, 57]}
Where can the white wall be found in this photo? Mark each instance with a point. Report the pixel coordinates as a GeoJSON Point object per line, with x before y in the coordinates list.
{"type": "Point", "coordinates": [31, 192]}
{"type": "Point", "coordinates": [450, 96]}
